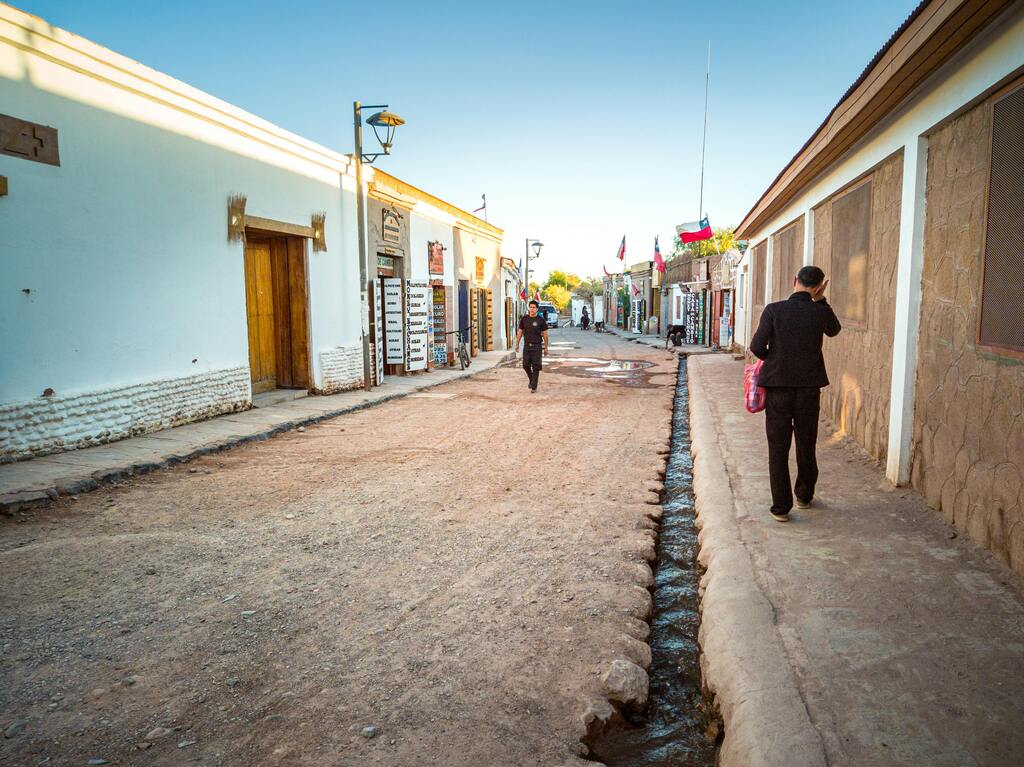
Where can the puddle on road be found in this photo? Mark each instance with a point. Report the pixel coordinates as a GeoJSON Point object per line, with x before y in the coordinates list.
{"type": "Point", "coordinates": [627, 372]}
{"type": "Point", "coordinates": [672, 729]}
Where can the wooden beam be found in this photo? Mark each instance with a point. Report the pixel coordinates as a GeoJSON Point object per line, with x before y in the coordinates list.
{"type": "Point", "coordinates": [271, 226]}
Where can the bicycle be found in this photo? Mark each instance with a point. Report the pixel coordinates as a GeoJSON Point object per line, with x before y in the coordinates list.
{"type": "Point", "coordinates": [460, 351]}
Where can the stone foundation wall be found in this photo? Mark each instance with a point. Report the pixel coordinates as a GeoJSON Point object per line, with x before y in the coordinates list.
{"type": "Point", "coordinates": [967, 456]}
{"type": "Point", "coordinates": [57, 423]}
{"type": "Point", "coordinates": [341, 369]}
{"type": "Point", "coordinates": [859, 359]}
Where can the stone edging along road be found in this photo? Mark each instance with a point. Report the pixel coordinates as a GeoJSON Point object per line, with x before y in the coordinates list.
{"type": "Point", "coordinates": [743, 662]}
{"type": "Point", "coordinates": [85, 480]}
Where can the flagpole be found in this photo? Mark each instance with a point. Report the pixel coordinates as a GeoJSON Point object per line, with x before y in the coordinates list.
{"type": "Point", "coordinates": [704, 141]}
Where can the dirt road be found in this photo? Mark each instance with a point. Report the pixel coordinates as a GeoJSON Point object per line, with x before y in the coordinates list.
{"type": "Point", "coordinates": [433, 581]}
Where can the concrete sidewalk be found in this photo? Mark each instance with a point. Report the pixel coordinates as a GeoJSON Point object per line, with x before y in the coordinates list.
{"type": "Point", "coordinates": [862, 632]}
{"type": "Point", "coordinates": [26, 482]}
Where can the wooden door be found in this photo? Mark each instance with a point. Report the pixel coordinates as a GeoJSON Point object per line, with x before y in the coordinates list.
{"type": "Point", "coordinates": [288, 260]}
{"type": "Point", "coordinates": [277, 312]}
{"type": "Point", "coordinates": [259, 303]}
{"type": "Point", "coordinates": [475, 322]}
{"type": "Point", "coordinates": [489, 321]}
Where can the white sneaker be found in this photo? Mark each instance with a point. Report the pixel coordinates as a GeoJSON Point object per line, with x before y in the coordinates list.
{"type": "Point", "coordinates": [779, 517]}
{"type": "Point", "coordinates": [802, 504]}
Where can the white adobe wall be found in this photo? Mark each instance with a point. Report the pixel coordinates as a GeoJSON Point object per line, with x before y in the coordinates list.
{"type": "Point", "coordinates": [428, 224]}
{"type": "Point", "coordinates": [985, 62]}
{"type": "Point", "coordinates": [135, 311]}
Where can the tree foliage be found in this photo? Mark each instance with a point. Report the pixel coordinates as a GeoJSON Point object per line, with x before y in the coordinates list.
{"type": "Point", "coordinates": [556, 294]}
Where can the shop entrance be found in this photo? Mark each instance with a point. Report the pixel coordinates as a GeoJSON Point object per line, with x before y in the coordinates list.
{"type": "Point", "coordinates": [389, 332]}
{"type": "Point", "coordinates": [277, 310]}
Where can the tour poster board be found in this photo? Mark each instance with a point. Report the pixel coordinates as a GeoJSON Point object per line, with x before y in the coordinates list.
{"type": "Point", "coordinates": [418, 313]}
{"type": "Point", "coordinates": [440, 345]}
{"type": "Point", "coordinates": [393, 322]}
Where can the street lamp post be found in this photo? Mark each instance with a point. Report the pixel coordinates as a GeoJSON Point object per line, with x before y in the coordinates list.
{"type": "Point", "coordinates": [537, 245]}
{"type": "Point", "coordinates": [389, 122]}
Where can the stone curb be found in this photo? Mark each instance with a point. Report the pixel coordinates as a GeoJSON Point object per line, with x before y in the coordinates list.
{"type": "Point", "coordinates": [19, 499]}
{"type": "Point", "coordinates": [743, 660]}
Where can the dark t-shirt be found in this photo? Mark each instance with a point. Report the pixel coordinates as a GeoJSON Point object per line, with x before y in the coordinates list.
{"type": "Point", "coordinates": [533, 329]}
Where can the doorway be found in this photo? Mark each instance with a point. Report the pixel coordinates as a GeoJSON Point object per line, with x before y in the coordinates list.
{"type": "Point", "coordinates": [277, 310]}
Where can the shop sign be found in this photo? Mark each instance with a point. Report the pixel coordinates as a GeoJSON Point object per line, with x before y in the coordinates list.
{"type": "Point", "coordinates": [440, 338]}
{"type": "Point", "coordinates": [435, 257]}
{"type": "Point", "coordinates": [393, 321]}
{"type": "Point", "coordinates": [418, 310]}
{"type": "Point", "coordinates": [391, 226]}
{"type": "Point", "coordinates": [480, 271]}
{"type": "Point", "coordinates": [386, 262]}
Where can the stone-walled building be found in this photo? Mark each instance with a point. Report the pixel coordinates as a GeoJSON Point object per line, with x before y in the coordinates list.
{"type": "Point", "coordinates": [909, 197]}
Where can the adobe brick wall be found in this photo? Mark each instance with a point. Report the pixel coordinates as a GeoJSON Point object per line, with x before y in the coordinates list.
{"type": "Point", "coordinates": [859, 359]}
{"type": "Point", "coordinates": [341, 369]}
{"type": "Point", "coordinates": [70, 421]}
{"type": "Point", "coordinates": [967, 454]}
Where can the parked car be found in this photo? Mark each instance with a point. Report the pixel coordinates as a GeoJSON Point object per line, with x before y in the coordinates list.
{"type": "Point", "coordinates": [550, 314]}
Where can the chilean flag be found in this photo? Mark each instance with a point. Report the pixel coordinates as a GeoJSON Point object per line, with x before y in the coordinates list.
{"type": "Point", "coordinates": [659, 262]}
{"type": "Point", "coordinates": [522, 294]}
{"type": "Point", "coordinates": [621, 255]}
{"type": "Point", "coordinates": [703, 231]}
{"type": "Point", "coordinates": [636, 290]}
{"type": "Point", "coordinates": [536, 296]}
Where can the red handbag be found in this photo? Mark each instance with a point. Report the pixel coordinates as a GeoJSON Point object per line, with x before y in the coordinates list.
{"type": "Point", "coordinates": [754, 396]}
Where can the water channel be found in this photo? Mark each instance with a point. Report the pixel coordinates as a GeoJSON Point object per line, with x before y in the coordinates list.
{"type": "Point", "coordinates": [673, 731]}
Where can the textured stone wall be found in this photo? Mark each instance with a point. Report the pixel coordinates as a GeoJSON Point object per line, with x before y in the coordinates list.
{"type": "Point", "coordinates": [341, 368]}
{"type": "Point", "coordinates": [859, 359]}
{"type": "Point", "coordinates": [57, 423]}
{"type": "Point", "coordinates": [967, 456]}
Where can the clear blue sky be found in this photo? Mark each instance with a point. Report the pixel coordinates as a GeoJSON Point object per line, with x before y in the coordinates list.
{"type": "Point", "coordinates": [580, 120]}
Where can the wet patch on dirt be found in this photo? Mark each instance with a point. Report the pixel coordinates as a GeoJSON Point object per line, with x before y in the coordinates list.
{"type": "Point", "coordinates": [632, 373]}
{"type": "Point", "coordinates": [676, 729]}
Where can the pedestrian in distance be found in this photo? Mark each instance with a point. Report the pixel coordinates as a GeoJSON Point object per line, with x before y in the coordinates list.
{"type": "Point", "coordinates": [675, 334]}
{"type": "Point", "coordinates": [585, 319]}
{"type": "Point", "coordinates": [534, 329]}
{"type": "Point", "coordinates": [789, 338]}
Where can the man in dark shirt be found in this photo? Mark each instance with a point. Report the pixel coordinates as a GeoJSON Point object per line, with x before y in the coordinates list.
{"type": "Point", "coordinates": [789, 339]}
{"type": "Point", "coordinates": [534, 329]}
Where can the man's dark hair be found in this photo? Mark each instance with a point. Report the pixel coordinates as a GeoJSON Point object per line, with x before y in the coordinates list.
{"type": "Point", "coordinates": [810, 276]}
{"type": "Point", "coordinates": [537, 303]}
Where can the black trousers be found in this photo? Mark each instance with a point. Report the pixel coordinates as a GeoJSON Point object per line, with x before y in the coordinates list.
{"type": "Point", "coordinates": [533, 357]}
{"type": "Point", "coordinates": [791, 411]}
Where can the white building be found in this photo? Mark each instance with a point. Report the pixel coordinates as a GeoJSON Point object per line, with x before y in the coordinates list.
{"type": "Point", "coordinates": [165, 255]}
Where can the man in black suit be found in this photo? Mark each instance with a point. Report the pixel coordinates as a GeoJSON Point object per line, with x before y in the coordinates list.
{"type": "Point", "coordinates": [789, 339]}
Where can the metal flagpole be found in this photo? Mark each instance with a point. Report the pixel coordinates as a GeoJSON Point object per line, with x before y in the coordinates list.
{"type": "Point", "coordinates": [704, 141]}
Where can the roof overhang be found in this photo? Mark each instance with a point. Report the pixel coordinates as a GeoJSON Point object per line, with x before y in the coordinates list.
{"type": "Point", "coordinates": [933, 33]}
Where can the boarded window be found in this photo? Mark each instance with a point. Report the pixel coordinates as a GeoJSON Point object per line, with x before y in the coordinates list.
{"type": "Point", "coordinates": [787, 258]}
{"type": "Point", "coordinates": [760, 260]}
{"type": "Point", "coordinates": [1002, 297]}
{"type": "Point", "coordinates": [851, 239]}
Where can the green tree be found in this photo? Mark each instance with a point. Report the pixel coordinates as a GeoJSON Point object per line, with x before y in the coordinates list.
{"type": "Point", "coordinates": [567, 280]}
{"type": "Point", "coordinates": [558, 295]}
{"type": "Point", "coordinates": [590, 287]}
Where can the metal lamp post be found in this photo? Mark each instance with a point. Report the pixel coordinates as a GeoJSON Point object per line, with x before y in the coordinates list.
{"type": "Point", "coordinates": [537, 245]}
{"type": "Point", "coordinates": [388, 122]}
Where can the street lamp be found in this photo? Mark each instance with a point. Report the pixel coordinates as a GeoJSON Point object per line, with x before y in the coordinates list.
{"type": "Point", "coordinates": [537, 245]}
{"type": "Point", "coordinates": [387, 122]}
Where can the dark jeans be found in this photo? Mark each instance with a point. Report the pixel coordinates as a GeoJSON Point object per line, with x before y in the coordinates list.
{"type": "Point", "coordinates": [789, 411]}
{"type": "Point", "coordinates": [532, 362]}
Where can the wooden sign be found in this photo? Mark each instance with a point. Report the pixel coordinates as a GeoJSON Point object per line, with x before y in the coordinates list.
{"type": "Point", "coordinates": [391, 226]}
{"type": "Point", "coordinates": [480, 271]}
{"type": "Point", "coordinates": [28, 140]}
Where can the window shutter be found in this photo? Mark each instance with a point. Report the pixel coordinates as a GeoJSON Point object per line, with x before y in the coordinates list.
{"type": "Point", "coordinates": [1002, 298]}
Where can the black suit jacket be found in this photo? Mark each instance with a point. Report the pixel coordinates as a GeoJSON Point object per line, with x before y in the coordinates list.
{"type": "Point", "coordinates": [789, 339]}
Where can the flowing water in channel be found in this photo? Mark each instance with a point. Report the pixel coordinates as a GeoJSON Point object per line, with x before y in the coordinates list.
{"type": "Point", "coordinates": [671, 732]}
